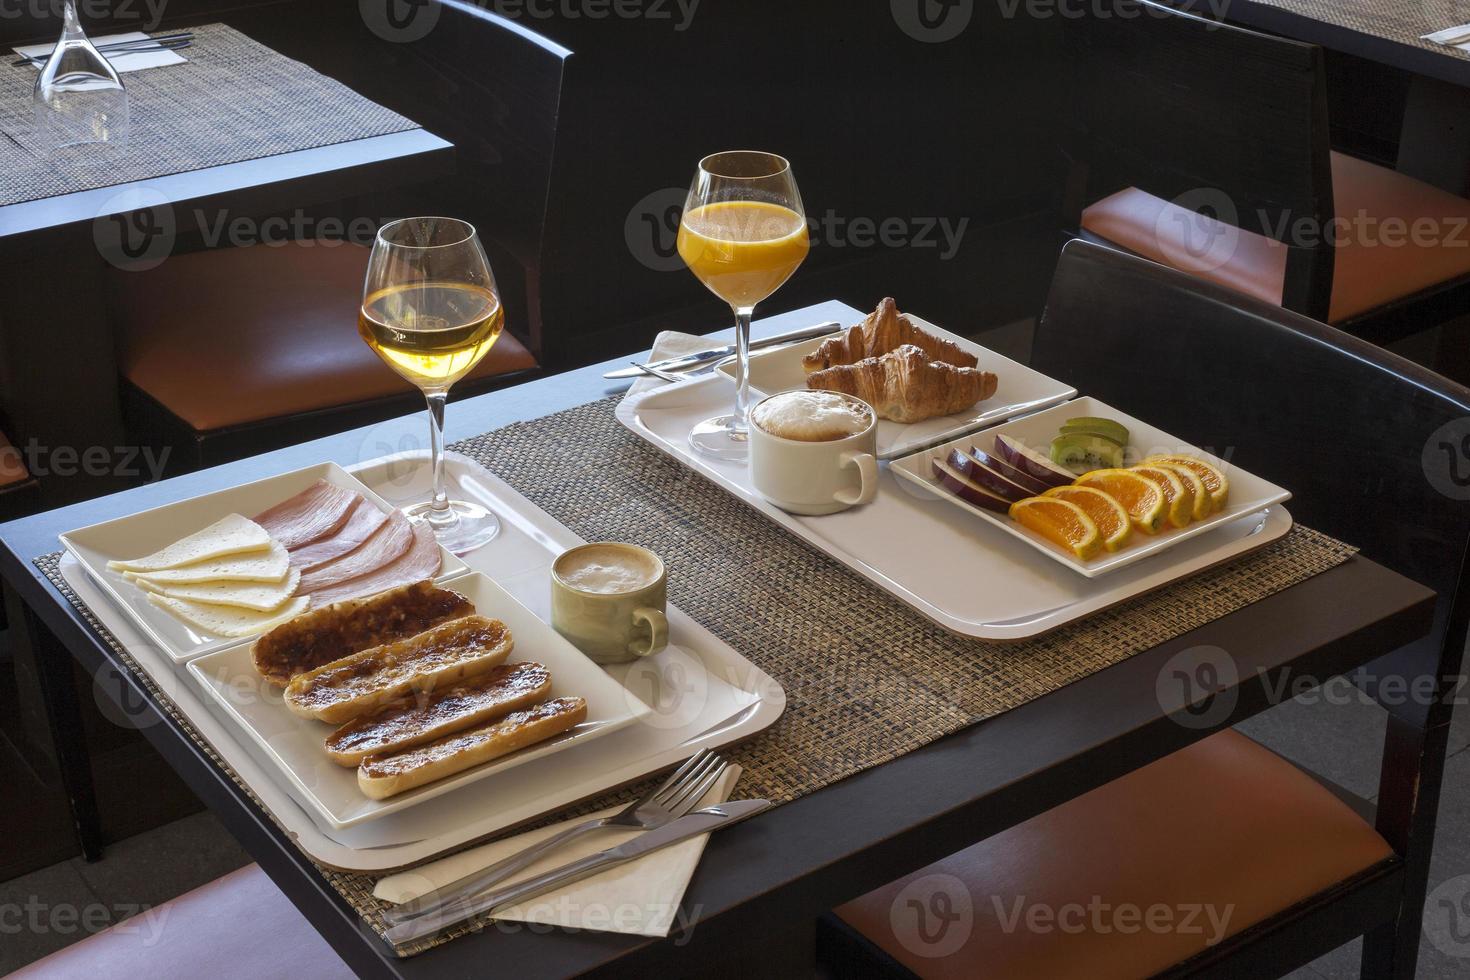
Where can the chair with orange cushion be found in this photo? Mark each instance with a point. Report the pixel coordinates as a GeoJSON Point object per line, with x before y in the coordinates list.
{"type": "Point", "coordinates": [1288, 869]}
{"type": "Point", "coordinates": [236, 926]}
{"type": "Point", "coordinates": [239, 350]}
{"type": "Point", "coordinates": [1206, 147]}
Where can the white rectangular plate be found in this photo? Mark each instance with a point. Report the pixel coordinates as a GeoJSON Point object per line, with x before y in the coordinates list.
{"type": "Point", "coordinates": [1020, 390]}
{"type": "Point", "coordinates": [1249, 494]}
{"type": "Point", "coordinates": [294, 743]}
{"type": "Point", "coordinates": [967, 576]}
{"type": "Point", "coordinates": [150, 530]}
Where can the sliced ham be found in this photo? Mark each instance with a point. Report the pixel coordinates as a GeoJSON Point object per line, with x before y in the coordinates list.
{"type": "Point", "coordinates": [363, 522]}
{"type": "Point", "coordinates": [421, 561]}
{"type": "Point", "coordinates": [389, 543]}
{"type": "Point", "coordinates": [315, 513]}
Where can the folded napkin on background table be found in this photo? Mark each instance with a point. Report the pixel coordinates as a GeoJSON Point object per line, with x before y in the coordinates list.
{"type": "Point", "coordinates": [1455, 37]}
{"type": "Point", "coordinates": [121, 63]}
{"type": "Point", "coordinates": [670, 343]}
{"type": "Point", "coordinates": [640, 897]}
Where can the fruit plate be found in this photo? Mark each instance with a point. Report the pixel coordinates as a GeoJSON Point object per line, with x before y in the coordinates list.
{"type": "Point", "coordinates": [1020, 390]}
{"type": "Point", "coordinates": [1249, 494]}
{"type": "Point", "coordinates": [294, 744]}
{"type": "Point", "coordinates": [147, 531]}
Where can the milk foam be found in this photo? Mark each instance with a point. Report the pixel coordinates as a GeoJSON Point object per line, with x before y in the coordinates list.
{"type": "Point", "coordinates": [606, 571]}
{"type": "Point", "coordinates": [812, 416]}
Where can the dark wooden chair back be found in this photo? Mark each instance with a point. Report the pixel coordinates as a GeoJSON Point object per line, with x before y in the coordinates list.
{"type": "Point", "coordinates": [1220, 120]}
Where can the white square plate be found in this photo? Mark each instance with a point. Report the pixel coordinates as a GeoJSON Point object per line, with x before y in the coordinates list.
{"type": "Point", "coordinates": [1249, 493]}
{"type": "Point", "coordinates": [1019, 390]}
{"type": "Point", "coordinates": [147, 532]}
{"type": "Point", "coordinates": [294, 744]}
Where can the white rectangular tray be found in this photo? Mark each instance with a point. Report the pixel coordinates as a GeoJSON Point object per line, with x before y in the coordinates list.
{"type": "Point", "coordinates": [1020, 390]}
{"type": "Point", "coordinates": [1249, 494]}
{"type": "Point", "coordinates": [719, 698]}
{"type": "Point", "coordinates": [969, 577]}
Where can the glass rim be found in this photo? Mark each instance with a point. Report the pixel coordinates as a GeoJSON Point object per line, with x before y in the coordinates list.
{"type": "Point", "coordinates": [785, 164]}
{"type": "Point", "coordinates": [470, 233]}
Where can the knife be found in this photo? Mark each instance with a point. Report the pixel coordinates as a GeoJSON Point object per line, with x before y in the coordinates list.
{"type": "Point", "coordinates": [715, 353]}
{"type": "Point", "coordinates": [690, 825]}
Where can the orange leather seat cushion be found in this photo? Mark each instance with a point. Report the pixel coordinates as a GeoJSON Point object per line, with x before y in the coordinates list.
{"type": "Point", "coordinates": [1224, 825]}
{"type": "Point", "coordinates": [236, 926]}
{"type": "Point", "coordinates": [1395, 236]}
{"type": "Point", "coordinates": [12, 466]}
{"type": "Point", "coordinates": [239, 335]}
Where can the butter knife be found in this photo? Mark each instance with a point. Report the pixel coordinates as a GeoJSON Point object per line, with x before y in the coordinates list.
{"type": "Point", "coordinates": [690, 825]}
{"type": "Point", "coordinates": [715, 353]}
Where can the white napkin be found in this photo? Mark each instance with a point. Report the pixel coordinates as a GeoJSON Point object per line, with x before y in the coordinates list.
{"type": "Point", "coordinates": [121, 63]}
{"type": "Point", "coordinates": [641, 897]}
{"type": "Point", "coordinates": [1451, 36]}
{"type": "Point", "coordinates": [670, 343]}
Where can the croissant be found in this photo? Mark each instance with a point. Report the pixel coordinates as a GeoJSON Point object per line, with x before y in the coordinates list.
{"type": "Point", "coordinates": [884, 330]}
{"type": "Point", "coordinates": [905, 386]}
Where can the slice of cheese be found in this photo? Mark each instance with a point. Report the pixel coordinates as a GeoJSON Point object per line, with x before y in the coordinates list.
{"type": "Point", "coordinates": [230, 535]}
{"type": "Point", "coordinates": [270, 566]}
{"type": "Point", "coordinates": [260, 596]}
{"type": "Point", "coordinates": [229, 620]}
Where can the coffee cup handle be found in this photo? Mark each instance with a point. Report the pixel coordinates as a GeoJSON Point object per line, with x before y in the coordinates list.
{"type": "Point", "coordinates": [658, 632]}
{"type": "Point", "coordinates": [868, 467]}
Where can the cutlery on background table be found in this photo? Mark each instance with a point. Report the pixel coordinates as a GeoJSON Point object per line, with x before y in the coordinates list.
{"type": "Point", "coordinates": [690, 825]}
{"type": "Point", "coordinates": [675, 797]}
{"type": "Point", "coordinates": [720, 353]}
{"type": "Point", "coordinates": [164, 42]}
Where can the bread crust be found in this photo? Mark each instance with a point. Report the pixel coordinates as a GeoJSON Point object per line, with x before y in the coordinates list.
{"type": "Point", "coordinates": [435, 659]}
{"type": "Point", "coordinates": [416, 720]}
{"type": "Point", "coordinates": [382, 776]}
{"type": "Point", "coordinates": [884, 330]}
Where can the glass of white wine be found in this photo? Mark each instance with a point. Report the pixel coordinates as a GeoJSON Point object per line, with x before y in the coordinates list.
{"type": "Point", "coordinates": [431, 311]}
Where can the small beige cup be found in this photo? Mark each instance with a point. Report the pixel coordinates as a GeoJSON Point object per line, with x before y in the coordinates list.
{"type": "Point", "coordinates": [610, 624]}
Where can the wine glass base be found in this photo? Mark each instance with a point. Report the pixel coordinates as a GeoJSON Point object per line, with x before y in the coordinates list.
{"type": "Point", "coordinates": [717, 438]}
{"type": "Point", "coordinates": [469, 527]}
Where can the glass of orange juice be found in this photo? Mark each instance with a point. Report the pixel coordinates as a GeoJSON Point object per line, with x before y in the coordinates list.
{"type": "Point", "coordinates": [743, 234]}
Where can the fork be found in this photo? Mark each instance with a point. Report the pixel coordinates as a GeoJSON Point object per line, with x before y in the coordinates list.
{"type": "Point", "coordinates": [678, 794]}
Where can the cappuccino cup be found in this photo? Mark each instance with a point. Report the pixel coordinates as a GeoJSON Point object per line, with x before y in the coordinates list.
{"type": "Point", "coordinates": [610, 599]}
{"type": "Point", "coordinates": [814, 452]}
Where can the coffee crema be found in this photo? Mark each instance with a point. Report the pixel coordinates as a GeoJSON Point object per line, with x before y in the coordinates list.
{"type": "Point", "coordinates": [606, 569]}
{"type": "Point", "coordinates": [812, 416]}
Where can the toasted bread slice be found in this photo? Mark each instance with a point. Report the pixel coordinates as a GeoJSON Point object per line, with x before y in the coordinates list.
{"type": "Point", "coordinates": [435, 659]}
{"type": "Point", "coordinates": [344, 628]}
{"type": "Point", "coordinates": [381, 776]}
{"type": "Point", "coordinates": [425, 717]}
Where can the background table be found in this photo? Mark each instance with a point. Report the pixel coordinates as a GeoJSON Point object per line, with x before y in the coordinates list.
{"type": "Point", "coordinates": [762, 884]}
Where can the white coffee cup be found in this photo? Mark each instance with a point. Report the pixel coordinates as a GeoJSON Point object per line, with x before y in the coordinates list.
{"type": "Point", "coordinates": [816, 474]}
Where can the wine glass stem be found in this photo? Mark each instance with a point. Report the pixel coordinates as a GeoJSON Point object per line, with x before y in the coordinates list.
{"type": "Point", "coordinates": [440, 513]}
{"type": "Point", "coordinates": [71, 25]}
{"type": "Point", "coordinates": [739, 421]}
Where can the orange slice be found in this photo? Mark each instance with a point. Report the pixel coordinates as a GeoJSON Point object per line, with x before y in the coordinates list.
{"type": "Point", "coordinates": [1143, 498]}
{"type": "Point", "coordinates": [1057, 520]}
{"type": "Point", "coordinates": [1213, 479]}
{"type": "Point", "coordinates": [1180, 496]}
{"type": "Point", "coordinates": [1110, 516]}
{"type": "Point", "coordinates": [1193, 484]}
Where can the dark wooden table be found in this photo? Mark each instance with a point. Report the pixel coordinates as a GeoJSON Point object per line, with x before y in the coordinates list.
{"type": "Point", "coordinates": [55, 336]}
{"type": "Point", "coordinates": [1434, 141]}
{"type": "Point", "coordinates": [761, 884]}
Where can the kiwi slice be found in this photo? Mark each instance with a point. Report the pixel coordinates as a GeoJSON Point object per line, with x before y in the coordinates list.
{"type": "Point", "coordinates": [1082, 452]}
{"type": "Point", "coordinates": [1106, 428]}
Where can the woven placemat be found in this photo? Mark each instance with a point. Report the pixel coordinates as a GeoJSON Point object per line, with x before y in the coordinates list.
{"type": "Point", "coordinates": [866, 678]}
{"type": "Point", "coordinates": [234, 99]}
{"type": "Point", "coordinates": [1403, 21]}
